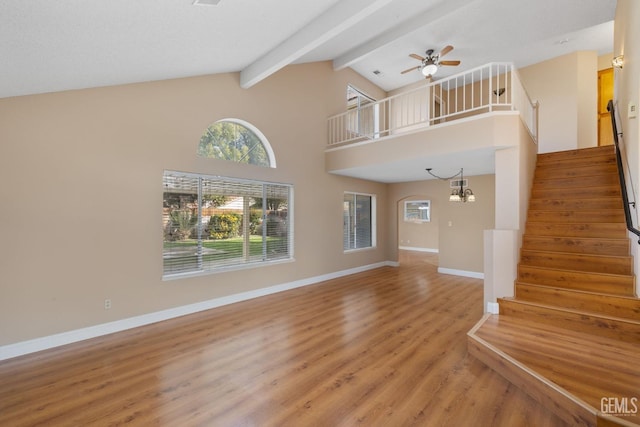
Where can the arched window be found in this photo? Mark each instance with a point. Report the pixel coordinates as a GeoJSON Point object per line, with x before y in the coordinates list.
{"type": "Point", "coordinates": [237, 141]}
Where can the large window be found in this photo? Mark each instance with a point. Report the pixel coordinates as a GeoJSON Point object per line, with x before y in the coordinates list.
{"type": "Point", "coordinates": [212, 223]}
{"type": "Point", "coordinates": [359, 221]}
{"type": "Point", "coordinates": [237, 141]}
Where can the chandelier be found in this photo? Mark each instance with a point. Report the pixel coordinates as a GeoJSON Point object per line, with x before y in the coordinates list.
{"type": "Point", "coordinates": [457, 194]}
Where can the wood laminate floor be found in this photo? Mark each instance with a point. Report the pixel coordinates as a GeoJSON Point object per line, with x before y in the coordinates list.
{"type": "Point", "coordinates": [385, 347]}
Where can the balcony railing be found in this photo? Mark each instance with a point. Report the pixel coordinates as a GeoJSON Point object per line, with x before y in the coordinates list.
{"type": "Point", "coordinates": [491, 87]}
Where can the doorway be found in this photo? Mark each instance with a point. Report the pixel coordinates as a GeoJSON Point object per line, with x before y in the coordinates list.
{"type": "Point", "coordinates": [417, 233]}
{"type": "Point", "coordinates": [605, 93]}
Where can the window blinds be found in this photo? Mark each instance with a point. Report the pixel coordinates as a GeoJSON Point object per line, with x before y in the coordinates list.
{"type": "Point", "coordinates": [212, 222]}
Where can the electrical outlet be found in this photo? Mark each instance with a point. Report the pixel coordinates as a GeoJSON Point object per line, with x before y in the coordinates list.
{"type": "Point", "coordinates": [107, 304]}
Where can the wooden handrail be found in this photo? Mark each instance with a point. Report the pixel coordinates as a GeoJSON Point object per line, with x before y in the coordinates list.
{"type": "Point", "coordinates": [623, 183]}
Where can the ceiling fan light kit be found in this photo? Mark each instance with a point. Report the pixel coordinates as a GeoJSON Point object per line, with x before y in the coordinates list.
{"type": "Point", "coordinates": [429, 69]}
{"type": "Point", "coordinates": [431, 63]}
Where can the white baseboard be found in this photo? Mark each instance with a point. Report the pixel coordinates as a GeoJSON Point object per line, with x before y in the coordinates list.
{"type": "Point", "coordinates": [493, 307]}
{"type": "Point", "coordinates": [412, 248]}
{"type": "Point", "coordinates": [463, 273]}
{"type": "Point", "coordinates": [38, 344]}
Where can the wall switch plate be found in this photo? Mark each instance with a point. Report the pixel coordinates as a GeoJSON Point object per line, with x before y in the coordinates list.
{"type": "Point", "coordinates": [632, 111]}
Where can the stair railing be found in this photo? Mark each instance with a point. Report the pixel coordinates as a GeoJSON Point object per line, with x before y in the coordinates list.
{"type": "Point", "coordinates": [488, 88]}
{"type": "Point", "coordinates": [623, 182]}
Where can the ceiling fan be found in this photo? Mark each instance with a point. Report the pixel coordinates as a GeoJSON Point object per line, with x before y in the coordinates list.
{"type": "Point", "coordinates": [430, 64]}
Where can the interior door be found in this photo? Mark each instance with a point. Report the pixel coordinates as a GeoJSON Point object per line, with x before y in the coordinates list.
{"type": "Point", "coordinates": [605, 93]}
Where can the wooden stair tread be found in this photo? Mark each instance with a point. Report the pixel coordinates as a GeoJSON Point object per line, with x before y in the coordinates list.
{"type": "Point", "coordinates": [555, 199]}
{"type": "Point", "coordinates": [612, 225]}
{"type": "Point", "coordinates": [592, 239]}
{"type": "Point", "coordinates": [581, 245]}
{"type": "Point", "coordinates": [594, 323]}
{"type": "Point", "coordinates": [573, 182]}
{"type": "Point", "coordinates": [579, 363]}
{"type": "Point", "coordinates": [557, 156]}
{"type": "Point", "coordinates": [580, 255]}
{"type": "Point", "coordinates": [579, 171]}
{"type": "Point", "coordinates": [567, 405]}
{"type": "Point", "coordinates": [557, 204]}
{"type": "Point", "coordinates": [568, 229]}
{"type": "Point", "coordinates": [618, 306]}
{"type": "Point", "coordinates": [630, 298]}
{"type": "Point", "coordinates": [600, 263]}
{"type": "Point", "coordinates": [541, 164]}
{"type": "Point", "coordinates": [620, 350]}
{"type": "Point", "coordinates": [612, 190]}
{"type": "Point", "coordinates": [576, 216]}
{"type": "Point", "coordinates": [604, 275]}
{"type": "Point", "coordinates": [571, 333]}
{"type": "Point", "coordinates": [579, 312]}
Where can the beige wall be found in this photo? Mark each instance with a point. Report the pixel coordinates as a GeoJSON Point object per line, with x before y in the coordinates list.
{"type": "Point", "coordinates": [82, 192]}
{"type": "Point", "coordinates": [462, 227]}
{"type": "Point", "coordinates": [587, 81]}
{"type": "Point", "coordinates": [461, 243]}
{"type": "Point", "coordinates": [484, 133]}
{"type": "Point", "coordinates": [604, 61]}
{"type": "Point", "coordinates": [515, 168]}
{"type": "Point", "coordinates": [418, 235]}
{"type": "Point", "coordinates": [566, 88]}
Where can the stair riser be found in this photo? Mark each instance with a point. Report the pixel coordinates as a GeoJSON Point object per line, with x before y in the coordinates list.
{"type": "Point", "coordinates": [566, 279]}
{"type": "Point", "coordinates": [610, 305]}
{"type": "Point", "coordinates": [579, 322]}
{"type": "Point", "coordinates": [610, 247]}
{"type": "Point", "coordinates": [578, 262]}
{"type": "Point", "coordinates": [577, 192]}
{"type": "Point", "coordinates": [576, 172]}
{"type": "Point", "coordinates": [575, 275]}
{"type": "Point", "coordinates": [615, 216]}
{"type": "Point", "coordinates": [586, 181]}
{"type": "Point", "coordinates": [568, 155]}
{"type": "Point", "coordinates": [575, 163]}
{"type": "Point", "coordinates": [605, 230]}
{"type": "Point", "coordinates": [576, 204]}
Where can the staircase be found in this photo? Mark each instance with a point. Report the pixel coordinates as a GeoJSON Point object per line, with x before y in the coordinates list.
{"type": "Point", "coordinates": [571, 335]}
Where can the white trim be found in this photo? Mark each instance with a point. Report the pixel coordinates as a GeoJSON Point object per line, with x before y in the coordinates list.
{"type": "Point", "coordinates": [493, 307]}
{"type": "Point", "coordinates": [56, 340]}
{"type": "Point", "coordinates": [463, 273]}
{"type": "Point", "coordinates": [415, 249]}
{"type": "Point", "coordinates": [263, 139]}
{"type": "Point", "coordinates": [423, 127]}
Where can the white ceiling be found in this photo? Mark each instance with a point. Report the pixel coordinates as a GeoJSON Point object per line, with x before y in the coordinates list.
{"type": "Point", "coordinates": [55, 45]}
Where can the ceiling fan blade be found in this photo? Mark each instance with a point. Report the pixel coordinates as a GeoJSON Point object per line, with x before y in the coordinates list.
{"type": "Point", "coordinates": [449, 63]}
{"type": "Point", "coordinates": [410, 69]}
{"type": "Point", "coordinates": [418, 57]}
{"type": "Point", "coordinates": [445, 50]}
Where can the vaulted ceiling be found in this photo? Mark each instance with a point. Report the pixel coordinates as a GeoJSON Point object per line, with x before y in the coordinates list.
{"type": "Point", "coordinates": [54, 45]}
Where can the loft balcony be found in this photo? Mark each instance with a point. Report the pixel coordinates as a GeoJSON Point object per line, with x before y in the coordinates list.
{"type": "Point", "coordinates": [455, 116]}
